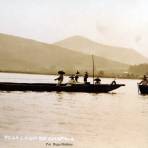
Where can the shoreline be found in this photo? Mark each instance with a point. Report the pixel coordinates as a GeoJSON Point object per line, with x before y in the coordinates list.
{"type": "Point", "coordinates": [52, 74]}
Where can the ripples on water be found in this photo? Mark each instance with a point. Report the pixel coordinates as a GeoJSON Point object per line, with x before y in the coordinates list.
{"type": "Point", "coordinates": [113, 120]}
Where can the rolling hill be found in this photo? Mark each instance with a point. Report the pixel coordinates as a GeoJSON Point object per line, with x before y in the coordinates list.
{"type": "Point", "coordinates": [28, 56]}
{"type": "Point", "coordinates": [84, 45]}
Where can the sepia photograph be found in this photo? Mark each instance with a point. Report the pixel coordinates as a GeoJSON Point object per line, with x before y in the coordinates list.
{"type": "Point", "coordinates": [73, 74]}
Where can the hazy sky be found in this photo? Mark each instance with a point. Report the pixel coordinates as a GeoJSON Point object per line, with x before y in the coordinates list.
{"type": "Point", "coordinates": [113, 22]}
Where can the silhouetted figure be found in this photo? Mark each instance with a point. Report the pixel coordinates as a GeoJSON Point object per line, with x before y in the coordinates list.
{"type": "Point", "coordinates": [72, 80]}
{"type": "Point", "coordinates": [114, 82]}
{"type": "Point", "coordinates": [97, 81]}
{"type": "Point", "coordinates": [85, 77]}
{"type": "Point", "coordinates": [144, 81]}
{"type": "Point", "coordinates": [77, 76]}
{"type": "Point", "coordinates": [61, 77]}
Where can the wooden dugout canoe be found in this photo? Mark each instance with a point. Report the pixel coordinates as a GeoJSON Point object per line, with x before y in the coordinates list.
{"type": "Point", "coordinates": [39, 87]}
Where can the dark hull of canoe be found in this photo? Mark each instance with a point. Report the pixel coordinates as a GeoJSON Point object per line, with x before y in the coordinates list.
{"type": "Point", "coordinates": [143, 89]}
{"type": "Point", "coordinates": [53, 87]}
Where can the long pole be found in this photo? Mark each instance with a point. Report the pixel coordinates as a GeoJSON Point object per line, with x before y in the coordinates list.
{"type": "Point", "coordinates": [93, 67]}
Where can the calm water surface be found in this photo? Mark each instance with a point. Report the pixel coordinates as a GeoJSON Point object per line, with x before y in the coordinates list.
{"type": "Point", "coordinates": [113, 120]}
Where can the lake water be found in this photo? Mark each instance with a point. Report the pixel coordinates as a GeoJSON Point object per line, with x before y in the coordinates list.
{"type": "Point", "coordinates": [113, 120]}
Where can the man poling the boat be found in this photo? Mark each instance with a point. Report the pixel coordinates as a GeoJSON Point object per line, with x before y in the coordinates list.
{"type": "Point", "coordinates": [61, 77]}
{"type": "Point", "coordinates": [144, 80]}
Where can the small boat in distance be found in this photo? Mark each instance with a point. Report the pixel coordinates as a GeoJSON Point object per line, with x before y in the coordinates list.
{"type": "Point", "coordinates": [143, 89]}
{"type": "Point", "coordinates": [143, 85]}
{"type": "Point", "coordinates": [40, 87]}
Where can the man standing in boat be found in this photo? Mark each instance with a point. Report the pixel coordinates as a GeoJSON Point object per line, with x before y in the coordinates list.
{"type": "Point", "coordinates": [85, 77]}
{"type": "Point", "coordinates": [61, 77]}
{"type": "Point", "coordinates": [77, 76]}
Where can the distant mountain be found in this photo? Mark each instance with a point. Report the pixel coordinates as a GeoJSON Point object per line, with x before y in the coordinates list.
{"type": "Point", "coordinates": [123, 55]}
{"type": "Point", "coordinates": [29, 56]}
{"type": "Point", "coordinates": [141, 69]}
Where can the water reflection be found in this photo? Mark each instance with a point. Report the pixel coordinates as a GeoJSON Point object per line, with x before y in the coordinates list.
{"type": "Point", "coordinates": [59, 96]}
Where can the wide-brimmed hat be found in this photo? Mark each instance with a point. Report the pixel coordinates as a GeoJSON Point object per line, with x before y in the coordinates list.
{"type": "Point", "coordinates": [61, 72]}
{"type": "Point", "coordinates": [97, 79]}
